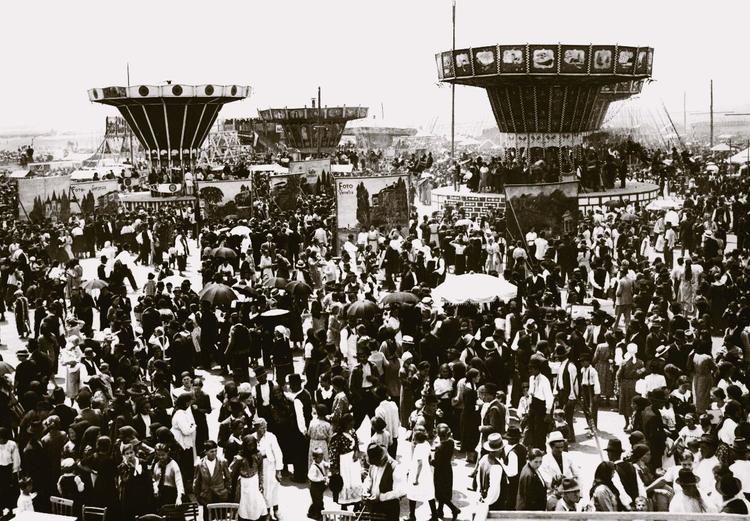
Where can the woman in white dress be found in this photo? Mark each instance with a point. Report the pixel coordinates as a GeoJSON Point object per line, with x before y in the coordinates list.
{"type": "Point", "coordinates": [70, 358]}
{"type": "Point", "coordinates": [687, 286]}
{"type": "Point", "coordinates": [246, 471]}
{"type": "Point", "coordinates": [493, 262]}
{"type": "Point", "coordinates": [273, 462]}
{"type": "Point", "coordinates": [420, 484]}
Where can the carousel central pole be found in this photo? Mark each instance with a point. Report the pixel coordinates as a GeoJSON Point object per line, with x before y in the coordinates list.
{"type": "Point", "coordinates": [453, 86]}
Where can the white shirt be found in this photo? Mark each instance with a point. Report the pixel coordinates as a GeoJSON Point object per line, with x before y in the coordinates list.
{"type": "Point", "coordinates": [705, 471]}
{"type": "Point", "coordinates": [300, 414]}
{"type": "Point", "coordinates": [549, 468]}
{"type": "Point", "coordinates": [572, 373]}
{"type": "Point", "coordinates": [147, 422]}
{"type": "Point", "coordinates": [9, 455]}
{"type": "Point", "coordinates": [539, 387]}
{"type": "Point", "coordinates": [268, 446]}
{"type": "Point", "coordinates": [183, 428]}
{"type": "Point", "coordinates": [589, 376]}
{"type": "Point", "coordinates": [741, 471]}
{"type": "Point", "coordinates": [372, 483]}
{"type": "Point", "coordinates": [210, 465]}
{"type": "Point", "coordinates": [265, 394]}
{"type": "Point", "coordinates": [388, 410]}
{"type": "Point", "coordinates": [511, 468]}
{"type": "Point", "coordinates": [541, 247]}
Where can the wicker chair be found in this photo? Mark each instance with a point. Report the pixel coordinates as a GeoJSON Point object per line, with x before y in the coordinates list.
{"type": "Point", "coordinates": [183, 512]}
{"type": "Point", "coordinates": [93, 514]}
{"type": "Point", "coordinates": [222, 511]}
{"type": "Point", "coordinates": [343, 515]}
{"type": "Point", "coordinates": [61, 506]}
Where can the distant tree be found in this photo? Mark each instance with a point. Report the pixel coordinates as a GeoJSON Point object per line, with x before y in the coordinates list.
{"type": "Point", "coordinates": [363, 205]}
{"type": "Point", "coordinates": [212, 195]}
{"type": "Point", "coordinates": [37, 211]}
{"type": "Point", "coordinates": [64, 207]}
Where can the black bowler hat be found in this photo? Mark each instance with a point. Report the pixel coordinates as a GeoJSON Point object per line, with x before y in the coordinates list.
{"type": "Point", "coordinates": [614, 445]}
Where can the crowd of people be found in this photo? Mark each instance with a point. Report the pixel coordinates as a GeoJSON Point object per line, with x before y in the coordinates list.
{"type": "Point", "coordinates": [318, 345]}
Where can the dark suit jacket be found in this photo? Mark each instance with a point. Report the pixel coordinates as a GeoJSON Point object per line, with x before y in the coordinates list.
{"type": "Point", "coordinates": [532, 492]}
{"type": "Point", "coordinates": [211, 487]}
{"type": "Point", "coordinates": [494, 420]}
{"type": "Point", "coordinates": [92, 416]}
{"type": "Point", "coordinates": [653, 430]}
{"type": "Point", "coordinates": [140, 426]}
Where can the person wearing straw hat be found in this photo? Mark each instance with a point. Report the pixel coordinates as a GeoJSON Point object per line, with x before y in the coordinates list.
{"type": "Point", "coordinates": [557, 461]}
{"type": "Point", "coordinates": [490, 472]}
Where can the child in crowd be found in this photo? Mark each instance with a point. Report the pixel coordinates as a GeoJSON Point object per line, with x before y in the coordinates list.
{"type": "Point", "coordinates": [380, 434]}
{"type": "Point", "coordinates": [149, 288]}
{"type": "Point", "coordinates": [26, 499]}
{"type": "Point", "coordinates": [318, 476]}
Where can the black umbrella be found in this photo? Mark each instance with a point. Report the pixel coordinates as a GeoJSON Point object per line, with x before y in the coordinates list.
{"type": "Point", "coordinates": [400, 297]}
{"type": "Point", "coordinates": [246, 290]}
{"type": "Point", "coordinates": [298, 289]}
{"type": "Point", "coordinates": [275, 282]}
{"type": "Point", "coordinates": [362, 309]}
{"type": "Point", "coordinates": [218, 294]}
{"type": "Point", "coordinates": [222, 252]}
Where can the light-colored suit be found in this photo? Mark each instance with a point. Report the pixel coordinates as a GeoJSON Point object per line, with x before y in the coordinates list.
{"type": "Point", "coordinates": [549, 468]}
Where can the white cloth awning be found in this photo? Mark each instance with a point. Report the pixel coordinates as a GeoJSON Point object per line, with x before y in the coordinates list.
{"type": "Point", "coordinates": [278, 169]}
{"type": "Point", "coordinates": [19, 174]}
{"type": "Point", "coordinates": [82, 175]}
{"type": "Point", "coordinates": [342, 169]}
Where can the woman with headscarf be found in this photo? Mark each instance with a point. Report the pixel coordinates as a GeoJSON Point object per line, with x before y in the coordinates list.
{"type": "Point", "coordinates": [603, 494]}
{"type": "Point", "coordinates": [628, 374]}
{"type": "Point", "coordinates": [273, 463]}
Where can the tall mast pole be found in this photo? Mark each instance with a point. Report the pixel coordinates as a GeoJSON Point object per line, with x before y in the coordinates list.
{"type": "Point", "coordinates": [128, 130]}
{"type": "Point", "coordinates": [711, 139]}
{"type": "Point", "coordinates": [453, 85]}
{"type": "Point", "coordinates": [320, 122]}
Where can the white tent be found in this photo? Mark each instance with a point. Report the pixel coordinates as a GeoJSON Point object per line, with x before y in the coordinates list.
{"type": "Point", "coordinates": [721, 147]}
{"type": "Point", "coordinates": [740, 158]}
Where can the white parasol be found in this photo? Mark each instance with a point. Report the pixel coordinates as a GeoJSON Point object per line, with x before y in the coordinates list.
{"type": "Point", "coordinates": [476, 288]}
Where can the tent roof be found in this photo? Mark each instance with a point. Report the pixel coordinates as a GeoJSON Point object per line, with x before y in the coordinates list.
{"type": "Point", "coordinates": [741, 157]}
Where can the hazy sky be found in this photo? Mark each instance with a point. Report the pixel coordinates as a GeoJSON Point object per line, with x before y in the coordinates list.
{"type": "Point", "coordinates": [359, 52]}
